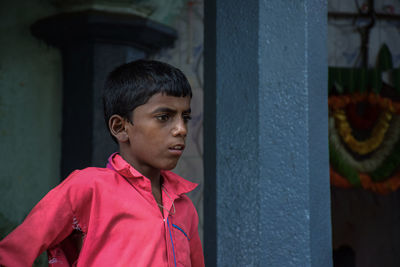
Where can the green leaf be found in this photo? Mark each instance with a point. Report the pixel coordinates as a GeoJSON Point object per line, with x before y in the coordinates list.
{"type": "Point", "coordinates": [396, 79]}
{"type": "Point", "coordinates": [342, 167]}
{"type": "Point", "coordinates": [384, 58]}
{"type": "Point", "coordinates": [375, 80]}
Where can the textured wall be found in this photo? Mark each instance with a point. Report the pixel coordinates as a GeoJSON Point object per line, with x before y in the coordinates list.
{"type": "Point", "coordinates": [30, 110]}
{"type": "Point", "coordinates": [293, 133]}
{"type": "Point", "coordinates": [270, 115]}
{"type": "Point", "coordinates": [237, 131]}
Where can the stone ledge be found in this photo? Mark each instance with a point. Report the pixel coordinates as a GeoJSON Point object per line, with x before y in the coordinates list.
{"type": "Point", "coordinates": [92, 25]}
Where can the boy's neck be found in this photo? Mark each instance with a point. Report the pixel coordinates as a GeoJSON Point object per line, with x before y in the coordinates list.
{"type": "Point", "coordinates": [154, 175]}
{"type": "Point", "coordinates": [156, 180]}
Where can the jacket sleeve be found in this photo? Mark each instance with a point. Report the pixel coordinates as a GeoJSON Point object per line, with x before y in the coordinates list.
{"type": "Point", "coordinates": [196, 250]}
{"type": "Point", "coordinates": [49, 222]}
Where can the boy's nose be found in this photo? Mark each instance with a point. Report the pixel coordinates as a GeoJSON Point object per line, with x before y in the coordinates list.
{"type": "Point", "coordinates": [180, 129]}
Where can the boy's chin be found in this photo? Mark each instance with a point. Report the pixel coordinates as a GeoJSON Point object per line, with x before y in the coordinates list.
{"type": "Point", "coordinates": [170, 166]}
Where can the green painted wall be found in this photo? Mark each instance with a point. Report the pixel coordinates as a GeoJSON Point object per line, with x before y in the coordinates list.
{"type": "Point", "coordinates": [30, 111]}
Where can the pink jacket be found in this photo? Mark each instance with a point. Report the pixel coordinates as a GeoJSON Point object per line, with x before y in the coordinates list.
{"type": "Point", "coordinates": [113, 215]}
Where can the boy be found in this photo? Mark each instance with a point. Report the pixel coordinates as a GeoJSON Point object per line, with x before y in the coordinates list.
{"type": "Point", "coordinates": [134, 212]}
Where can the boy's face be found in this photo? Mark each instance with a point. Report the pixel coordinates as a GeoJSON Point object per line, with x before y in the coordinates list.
{"type": "Point", "coordinates": [157, 133]}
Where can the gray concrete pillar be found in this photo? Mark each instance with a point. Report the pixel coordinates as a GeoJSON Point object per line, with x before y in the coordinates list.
{"type": "Point", "coordinates": [267, 198]}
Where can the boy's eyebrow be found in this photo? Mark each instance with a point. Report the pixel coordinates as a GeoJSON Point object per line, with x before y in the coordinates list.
{"type": "Point", "coordinates": [169, 110]}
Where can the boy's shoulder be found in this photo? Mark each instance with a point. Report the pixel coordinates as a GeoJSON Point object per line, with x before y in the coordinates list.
{"type": "Point", "coordinates": [81, 184]}
{"type": "Point", "coordinates": [87, 176]}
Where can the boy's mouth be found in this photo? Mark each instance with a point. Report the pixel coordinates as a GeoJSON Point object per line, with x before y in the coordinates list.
{"type": "Point", "coordinates": [177, 149]}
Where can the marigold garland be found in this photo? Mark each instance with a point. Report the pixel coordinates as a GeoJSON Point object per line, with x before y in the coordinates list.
{"type": "Point", "coordinates": [392, 162]}
{"type": "Point", "coordinates": [346, 169]}
{"type": "Point", "coordinates": [377, 158]}
{"type": "Point", "coordinates": [338, 180]}
{"type": "Point", "coordinates": [342, 167]}
{"type": "Point", "coordinates": [369, 145]}
{"type": "Point", "coordinates": [372, 163]}
{"type": "Point", "coordinates": [379, 173]}
{"type": "Point", "coordinates": [383, 188]}
{"type": "Point", "coordinates": [364, 122]}
{"type": "Point", "coordinates": [341, 101]}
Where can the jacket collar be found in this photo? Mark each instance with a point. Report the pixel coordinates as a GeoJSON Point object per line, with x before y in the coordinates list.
{"type": "Point", "coordinates": [172, 182]}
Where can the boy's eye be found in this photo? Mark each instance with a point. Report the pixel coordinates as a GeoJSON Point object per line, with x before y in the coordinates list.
{"type": "Point", "coordinates": [187, 118]}
{"type": "Point", "coordinates": [162, 117]}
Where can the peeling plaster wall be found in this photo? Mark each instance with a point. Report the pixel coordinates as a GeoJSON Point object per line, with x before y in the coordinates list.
{"type": "Point", "coordinates": [30, 111]}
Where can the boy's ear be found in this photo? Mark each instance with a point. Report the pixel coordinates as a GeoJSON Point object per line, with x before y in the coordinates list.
{"type": "Point", "coordinates": [117, 126]}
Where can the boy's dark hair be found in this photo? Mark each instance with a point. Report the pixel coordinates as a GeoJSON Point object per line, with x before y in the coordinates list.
{"type": "Point", "coordinates": [132, 84]}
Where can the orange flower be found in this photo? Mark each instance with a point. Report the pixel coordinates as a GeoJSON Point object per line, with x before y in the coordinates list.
{"type": "Point", "coordinates": [383, 188]}
{"type": "Point", "coordinates": [337, 180]}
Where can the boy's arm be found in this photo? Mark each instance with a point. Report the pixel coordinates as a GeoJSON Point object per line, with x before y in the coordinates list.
{"type": "Point", "coordinates": [196, 250]}
{"type": "Point", "coordinates": [47, 224]}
